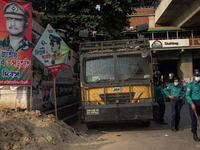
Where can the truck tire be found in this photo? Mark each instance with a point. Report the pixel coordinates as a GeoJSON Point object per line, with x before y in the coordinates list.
{"type": "Point", "coordinates": [146, 123]}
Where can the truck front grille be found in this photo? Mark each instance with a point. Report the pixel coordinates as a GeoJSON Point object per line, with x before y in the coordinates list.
{"type": "Point", "coordinates": [118, 98]}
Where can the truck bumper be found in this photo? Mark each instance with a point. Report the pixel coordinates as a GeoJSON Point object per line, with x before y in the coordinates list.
{"type": "Point", "coordinates": [119, 113]}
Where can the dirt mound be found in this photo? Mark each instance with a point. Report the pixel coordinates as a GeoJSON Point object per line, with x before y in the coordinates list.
{"type": "Point", "coordinates": [33, 130]}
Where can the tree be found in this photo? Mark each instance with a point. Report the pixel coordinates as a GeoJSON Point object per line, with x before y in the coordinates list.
{"type": "Point", "coordinates": [110, 19]}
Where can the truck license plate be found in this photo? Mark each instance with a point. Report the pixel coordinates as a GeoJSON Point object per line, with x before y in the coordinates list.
{"type": "Point", "coordinates": [92, 111]}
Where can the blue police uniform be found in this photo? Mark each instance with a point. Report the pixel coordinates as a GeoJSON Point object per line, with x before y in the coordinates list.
{"type": "Point", "coordinates": [193, 97]}
{"type": "Point", "coordinates": [160, 99]}
{"type": "Point", "coordinates": [176, 103]}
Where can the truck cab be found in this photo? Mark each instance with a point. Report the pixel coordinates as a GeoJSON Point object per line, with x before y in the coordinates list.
{"type": "Point", "coordinates": [116, 82]}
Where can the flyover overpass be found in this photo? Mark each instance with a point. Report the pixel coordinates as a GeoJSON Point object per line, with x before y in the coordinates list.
{"type": "Point", "coordinates": [181, 13]}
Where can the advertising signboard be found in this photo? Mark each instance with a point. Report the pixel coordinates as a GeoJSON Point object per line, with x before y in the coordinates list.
{"type": "Point", "coordinates": [51, 50]}
{"type": "Point", "coordinates": [15, 42]}
{"type": "Point", "coordinates": [169, 43]}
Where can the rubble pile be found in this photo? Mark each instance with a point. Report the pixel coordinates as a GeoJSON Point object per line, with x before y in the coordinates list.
{"type": "Point", "coordinates": [33, 130]}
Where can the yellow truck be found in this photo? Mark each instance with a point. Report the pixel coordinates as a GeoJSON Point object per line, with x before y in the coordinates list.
{"type": "Point", "coordinates": [116, 82]}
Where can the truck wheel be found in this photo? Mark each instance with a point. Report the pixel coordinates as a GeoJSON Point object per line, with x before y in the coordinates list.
{"type": "Point", "coordinates": [146, 123]}
{"type": "Point", "coordinates": [90, 126]}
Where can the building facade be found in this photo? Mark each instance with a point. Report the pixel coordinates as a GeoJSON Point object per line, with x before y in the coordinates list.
{"type": "Point", "coordinates": [174, 39]}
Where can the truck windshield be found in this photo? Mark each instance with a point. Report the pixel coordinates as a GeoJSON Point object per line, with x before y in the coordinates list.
{"type": "Point", "coordinates": [133, 66]}
{"type": "Point", "coordinates": [99, 69]}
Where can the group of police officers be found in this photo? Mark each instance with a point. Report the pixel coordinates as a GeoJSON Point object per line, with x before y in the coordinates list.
{"type": "Point", "coordinates": [174, 92]}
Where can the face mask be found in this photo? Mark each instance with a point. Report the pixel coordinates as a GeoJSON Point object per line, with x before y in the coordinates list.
{"type": "Point", "coordinates": [175, 83]}
{"type": "Point", "coordinates": [197, 79]}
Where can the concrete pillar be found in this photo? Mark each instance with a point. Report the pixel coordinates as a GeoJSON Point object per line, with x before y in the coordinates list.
{"type": "Point", "coordinates": [185, 66]}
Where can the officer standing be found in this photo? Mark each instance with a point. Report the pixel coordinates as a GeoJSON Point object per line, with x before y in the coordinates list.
{"type": "Point", "coordinates": [173, 91]}
{"type": "Point", "coordinates": [160, 99]}
{"type": "Point", "coordinates": [193, 98]}
{"type": "Point", "coordinates": [16, 23]}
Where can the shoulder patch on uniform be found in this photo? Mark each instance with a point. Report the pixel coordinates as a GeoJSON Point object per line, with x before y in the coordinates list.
{"type": "Point", "coordinates": [188, 89]}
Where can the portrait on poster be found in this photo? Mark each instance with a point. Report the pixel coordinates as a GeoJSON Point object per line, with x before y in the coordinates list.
{"type": "Point", "coordinates": [15, 42]}
{"type": "Point", "coordinates": [16, 24]}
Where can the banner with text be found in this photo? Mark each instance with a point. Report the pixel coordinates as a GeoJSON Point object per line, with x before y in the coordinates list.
{"type": "Point", "coordinates": [15, 42]}
{"type": "Point", "coordinates": [169, 43]}
{"type": "Point", "coordinates": [64, 79]}
{"type": "Point", "coordinates": [51, 50]}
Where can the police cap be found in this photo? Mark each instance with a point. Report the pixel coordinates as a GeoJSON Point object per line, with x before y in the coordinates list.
{"type": "Point", "coordinates": [196, 73]}
{"type": "Point", "coordinates": [54, 38]}
{"type": "Point", "coordinates": [15, 9]}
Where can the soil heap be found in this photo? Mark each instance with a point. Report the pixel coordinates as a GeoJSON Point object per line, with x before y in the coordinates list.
{"type": "Point", "coordinates": [33, 130]}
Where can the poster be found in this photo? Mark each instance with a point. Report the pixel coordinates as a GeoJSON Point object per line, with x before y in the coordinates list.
{"type": "Point", "coordinates": [15, 42]}
{"type": "Point", "coordinates": [51, 50]}
{"type": "Point", "coordinates": [64, 79]}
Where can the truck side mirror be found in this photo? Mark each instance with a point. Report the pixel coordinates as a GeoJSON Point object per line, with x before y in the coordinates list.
{"type": "Point", "coordinates": [145, 54]}
{"type": "Point", "coordinates": [76, 68]}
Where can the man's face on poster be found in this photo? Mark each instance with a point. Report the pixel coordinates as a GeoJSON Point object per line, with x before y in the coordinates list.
{"type": "Point", "coordinates": [15, 24]}
{"type": "Point", "coordinates": [55, 47]}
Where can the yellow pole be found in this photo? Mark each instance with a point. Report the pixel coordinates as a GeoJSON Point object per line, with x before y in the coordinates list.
{"type": "Point", "coordinates": [31, 92]}
{"type": "Point", "coordinates": [55, 97]}
{"type": "Point", "coordinates": [197, 117]}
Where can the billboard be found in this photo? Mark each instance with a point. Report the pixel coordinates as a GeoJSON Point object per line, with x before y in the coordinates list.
{"type": "Point", "coordinates": [15, 42]}
{"type": "Point", "coordinates": [169, 43]}
{"type": "Point", "coordinates": [64, 79]}
{"type": "Point", "coordinates": [51, 50]}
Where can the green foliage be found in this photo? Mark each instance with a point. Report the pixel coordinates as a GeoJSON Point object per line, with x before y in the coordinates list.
{"type": "Point", "coordinates": [111, 19]}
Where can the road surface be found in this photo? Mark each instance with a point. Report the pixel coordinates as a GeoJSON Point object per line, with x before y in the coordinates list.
{"type": "Point", "coordinates": [134, 137]}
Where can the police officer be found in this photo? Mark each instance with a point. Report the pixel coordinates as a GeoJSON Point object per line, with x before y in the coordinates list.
{"type": "Point", "coordinates": [160, 99]}
{"type": "Point", "coordinates": [193, 98]}
{"type": "Point", "coordinates": [173, 91]}
{"type": "Point", "coordinates": [16, 23]}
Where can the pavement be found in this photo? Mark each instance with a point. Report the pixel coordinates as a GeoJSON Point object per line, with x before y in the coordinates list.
{"type": "Point", "coordinates": [131, 136]}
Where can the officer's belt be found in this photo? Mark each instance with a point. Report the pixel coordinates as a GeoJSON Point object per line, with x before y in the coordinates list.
{"type": "Point", "coordinates": [176, 97]}
{"type": "Point", "coordinates": [197, 101]}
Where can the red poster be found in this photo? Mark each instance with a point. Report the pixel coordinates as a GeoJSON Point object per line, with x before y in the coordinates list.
{"type": "Point", "coordinates": [15, 42]}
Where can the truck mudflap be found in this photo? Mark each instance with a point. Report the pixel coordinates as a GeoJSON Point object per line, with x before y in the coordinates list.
{"type": "Point", "coordinates": [118, 113]}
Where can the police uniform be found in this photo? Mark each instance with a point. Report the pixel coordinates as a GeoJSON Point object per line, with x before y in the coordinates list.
{"type": "Point", "coordinates": [24, 44]}
{"type": "Point", "coordinates": [193, 97]}
{"type": "Point", "coordinates": [160, 99]}
{"type": "Point", "coordinates": [18, 10]}
{"type": "Point", "coordinates": [176, 103]}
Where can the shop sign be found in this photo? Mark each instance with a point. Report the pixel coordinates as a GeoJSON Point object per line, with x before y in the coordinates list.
{"type": "Point", "coordinates": [169, 43]}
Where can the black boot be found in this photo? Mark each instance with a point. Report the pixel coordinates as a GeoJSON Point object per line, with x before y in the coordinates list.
{"type": "Point", "coordinates": [173, 129]}
{"type": "Point", "coordinates": [195, 137]}
{"type": "Point", "coordinates": [163, 122]}
{"type": "Point", "coordinates": [179, 128]}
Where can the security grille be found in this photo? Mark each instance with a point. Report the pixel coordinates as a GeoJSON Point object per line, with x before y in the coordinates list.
{"type": "Point", "coordinates": [115, 45]}
{"type": "Point", "coordinates": [118, 98]}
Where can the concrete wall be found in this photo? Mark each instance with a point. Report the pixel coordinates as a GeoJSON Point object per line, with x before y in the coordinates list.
{"type": "Point", "coordinates": [13, 97]}
{"type": "Point", "coordinates": [161, 9]}
{"type": "Point", "coordinates": [185, 66]}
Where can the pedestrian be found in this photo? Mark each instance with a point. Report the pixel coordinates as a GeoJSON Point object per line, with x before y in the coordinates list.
{"type": "Point", "coordinates": [161, 101]}
{"type": "Point", "coordinates": [174, 92]}
{"type": "Point", "coordinates": [193, 98]}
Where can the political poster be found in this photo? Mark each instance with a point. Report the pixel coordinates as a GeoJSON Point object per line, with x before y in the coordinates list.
{"type": "Point", "coordinates": [15, 42]}
{"type": "Point", "coordinates": [64, 78]}
{"type": "Point", "coordinates": [51, 50]}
